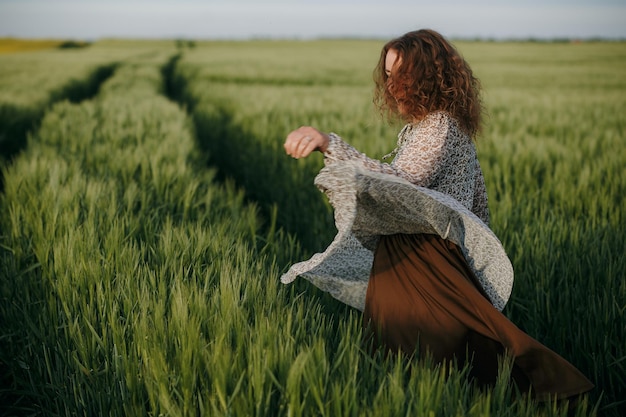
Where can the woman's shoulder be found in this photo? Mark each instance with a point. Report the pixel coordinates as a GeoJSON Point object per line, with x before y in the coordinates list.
{"type": "Point", "coordinates": [439, 117]}
{"type": "Point", "coordinates": [452, 125]}
{"type": "Point", "coordinates": [438, 121]}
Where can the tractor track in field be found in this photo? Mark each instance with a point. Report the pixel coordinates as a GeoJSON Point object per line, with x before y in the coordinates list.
{"type": "Point", "coordinates": [17, 123]}
{"type": "Point", "coordinates": [241, 156]}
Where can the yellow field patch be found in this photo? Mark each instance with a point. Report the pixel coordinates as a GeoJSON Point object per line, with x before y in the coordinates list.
{"type": "Point", "coordinates": [11, 45]}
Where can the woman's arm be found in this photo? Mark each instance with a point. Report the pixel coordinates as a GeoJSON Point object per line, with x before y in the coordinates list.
{"type": "Point", "coordinates": [418, 160]}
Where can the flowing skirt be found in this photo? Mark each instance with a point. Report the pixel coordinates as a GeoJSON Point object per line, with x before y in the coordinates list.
{"type": "Point", "coordinates": [422, 297]}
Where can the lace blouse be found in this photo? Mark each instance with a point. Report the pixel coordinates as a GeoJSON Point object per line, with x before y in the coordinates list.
{"type": "Point", "coordinates": [433, 153]}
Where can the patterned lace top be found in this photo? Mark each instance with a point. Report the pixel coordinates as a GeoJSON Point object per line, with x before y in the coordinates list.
{"type": "Point", "coordinates": [433, 153]}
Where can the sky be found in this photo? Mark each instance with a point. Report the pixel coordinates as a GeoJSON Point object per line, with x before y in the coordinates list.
{"type": "Point", "coordinates": [308, 19]}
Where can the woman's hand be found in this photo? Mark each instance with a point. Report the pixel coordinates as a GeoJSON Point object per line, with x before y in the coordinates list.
{"type": "Point", "coordinates": [301, 142]}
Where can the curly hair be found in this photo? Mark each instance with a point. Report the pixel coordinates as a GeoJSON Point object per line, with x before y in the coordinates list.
{"type": "Point", "coordinates": [430, 75]}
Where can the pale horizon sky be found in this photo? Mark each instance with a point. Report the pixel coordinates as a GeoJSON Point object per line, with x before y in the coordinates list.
{"type": "Point", "coordinates": [306, 19]}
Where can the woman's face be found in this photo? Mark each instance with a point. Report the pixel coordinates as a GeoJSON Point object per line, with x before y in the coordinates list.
{"type": "Point", "coordinates": [392, 60]}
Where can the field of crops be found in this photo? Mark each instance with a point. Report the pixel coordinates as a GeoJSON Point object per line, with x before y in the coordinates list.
{"type": "Point", "coordinates": [147, 211]}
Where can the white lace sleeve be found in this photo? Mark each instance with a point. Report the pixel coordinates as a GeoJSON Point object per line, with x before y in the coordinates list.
{"type": "Point", "coordinates": [419, 156]}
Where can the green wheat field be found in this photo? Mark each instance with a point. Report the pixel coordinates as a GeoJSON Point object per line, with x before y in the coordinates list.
{"type": "Point", "coordinates": [147, 211]}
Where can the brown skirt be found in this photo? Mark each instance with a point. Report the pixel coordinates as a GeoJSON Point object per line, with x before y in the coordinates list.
{"type": "Point", "coordinates": [422, 297]}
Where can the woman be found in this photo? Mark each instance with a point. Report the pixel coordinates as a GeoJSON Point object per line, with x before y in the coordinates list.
{"type": "Point", "coordinates": [424, 291]}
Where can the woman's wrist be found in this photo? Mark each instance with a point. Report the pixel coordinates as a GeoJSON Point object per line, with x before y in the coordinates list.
{"type": "Point", "coordinates": [323, 147]}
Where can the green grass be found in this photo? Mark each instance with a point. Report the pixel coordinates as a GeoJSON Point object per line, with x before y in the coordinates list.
{"type": "Point", "coordinates": [30, 82]}
{"type": "Point", "coordinates": [142, 239]}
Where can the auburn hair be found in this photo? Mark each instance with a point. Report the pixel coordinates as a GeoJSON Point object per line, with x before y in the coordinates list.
{"type": "Point", "coordinates": [430, 75]}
